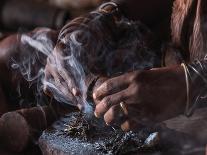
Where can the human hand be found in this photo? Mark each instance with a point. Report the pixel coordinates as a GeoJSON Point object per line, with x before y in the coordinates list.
{"type": "Point", "coordinates": [59, 81]}
{"type": "Point", "coordinates": [147, 96]}
{"type": "Point", "coordinates": [75, 56]}
{"type": "Point", "coordinates": [22, 57]}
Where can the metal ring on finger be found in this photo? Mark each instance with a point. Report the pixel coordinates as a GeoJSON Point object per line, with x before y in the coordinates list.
{"type": "Point", "coordinates": [123, 113]}
{"type": "Point", "coordinates": [123, 107]}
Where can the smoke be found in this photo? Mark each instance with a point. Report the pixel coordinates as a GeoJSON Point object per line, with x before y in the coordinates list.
{"type": "Point", "coordinates": [32, 48]}
{"type": "Point", "coordinates": [96, 44]}
{"type": "Point", "coordinates": [76, 71]}
{"type": "Point", "coordinates": [30, 63]}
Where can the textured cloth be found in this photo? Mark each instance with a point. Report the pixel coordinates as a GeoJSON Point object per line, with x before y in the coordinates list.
{"type": "Point", "coordinates": [189, 34]}
{"type": "Point", "coordinates": [189, 27]}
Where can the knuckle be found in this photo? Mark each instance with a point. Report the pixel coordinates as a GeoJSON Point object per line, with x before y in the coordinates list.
{"type": "Point", "coordinates": [107, 102]}
{"type": "Point", "coordinates": [134, 76]}
{"type": "Point", "coordinates": [108, 85]}
{"type": "Point", "coordinates": [114, 110]}
{"type": "Point", "coordinates": [135, 90]}
{"type": "Point", "coordinates": [124, 95]}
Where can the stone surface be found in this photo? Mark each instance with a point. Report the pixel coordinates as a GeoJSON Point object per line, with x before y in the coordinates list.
{"type": "Point", "coordinates": [52, 142]}
{"type": "Point", "coordinates": [196, 125]}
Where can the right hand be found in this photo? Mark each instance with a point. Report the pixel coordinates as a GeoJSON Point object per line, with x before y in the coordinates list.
{"type": "Point", "coordinates": [148, 96]}
{"type": "Point", "coordinates": [59, 81]}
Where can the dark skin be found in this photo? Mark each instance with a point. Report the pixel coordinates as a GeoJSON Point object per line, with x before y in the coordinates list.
{"type": "Point", "coordinates": [11, 47]}
{"type": "Point", "coordinates": [6, 50]}
{"type": "Point", "coordinates": [149, 96]}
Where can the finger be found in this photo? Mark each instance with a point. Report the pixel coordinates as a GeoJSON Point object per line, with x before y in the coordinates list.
{"type": "Point", "coordinates": [96, 102]}
{"type": "Point", "coordinates": [126, 126]}
{"type": "Point", "coordinates": [132, 124]}
{"type": "Point", "coordinates": [111, 86]}
{"type": "Point", "coordinates": [45, 87]}
{"type": "Point", "coordinates": [110, 101]}
{"type": "Point", "coordinates": [57, 85]}
{"type": "Point", "coordinates": [58, 72]}
{"type": "Point", "coordinates": [136, 119]}
{"type": "Point", "coordinates": [69, 80]}
{"type": "Point", "coordinates": [49, 75]}
{"type": "Point", "coordinates": [63, 93]}
{"type": "Point", "coordinates": [80, 107]}
{"type": "Point", "coordinates": [66, 74]}
{"type": "Point", "coordinates": [53, 72]}
{"type": "Point", "coordinates": [115, 116]}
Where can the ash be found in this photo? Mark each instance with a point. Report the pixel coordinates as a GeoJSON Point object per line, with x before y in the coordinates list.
{"type": "Point", "coordinates": [107, 140]}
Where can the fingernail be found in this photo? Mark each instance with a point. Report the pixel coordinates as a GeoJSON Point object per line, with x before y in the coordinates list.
{"type": "Point", "coordinates": [80, 107]}
{"type": "Point", "coordinates": [95, 114]}
{"type": "Point", "coordinates": [107, 124]}
{"type": "Point", "coordinates": [45, 88]}
{"type": "Point", "coordinates": [75, 92]}
{"type": "Point", "coordinates": [94, 96]}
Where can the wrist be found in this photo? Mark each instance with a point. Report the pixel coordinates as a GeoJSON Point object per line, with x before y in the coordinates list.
{"type": "Point", "coordinates": [187, 104]}
{"type": "Point", "coordinates": [174, 82]}
{"type": "Point", "coordinates": [163, 91]}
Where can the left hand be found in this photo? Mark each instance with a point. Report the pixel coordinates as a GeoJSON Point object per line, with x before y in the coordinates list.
{"type": "Point", "coordinates": [149, 96]}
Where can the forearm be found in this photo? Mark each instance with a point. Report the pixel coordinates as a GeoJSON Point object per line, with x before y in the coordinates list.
{"type": "Point", "coordinates": [148, 11]}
